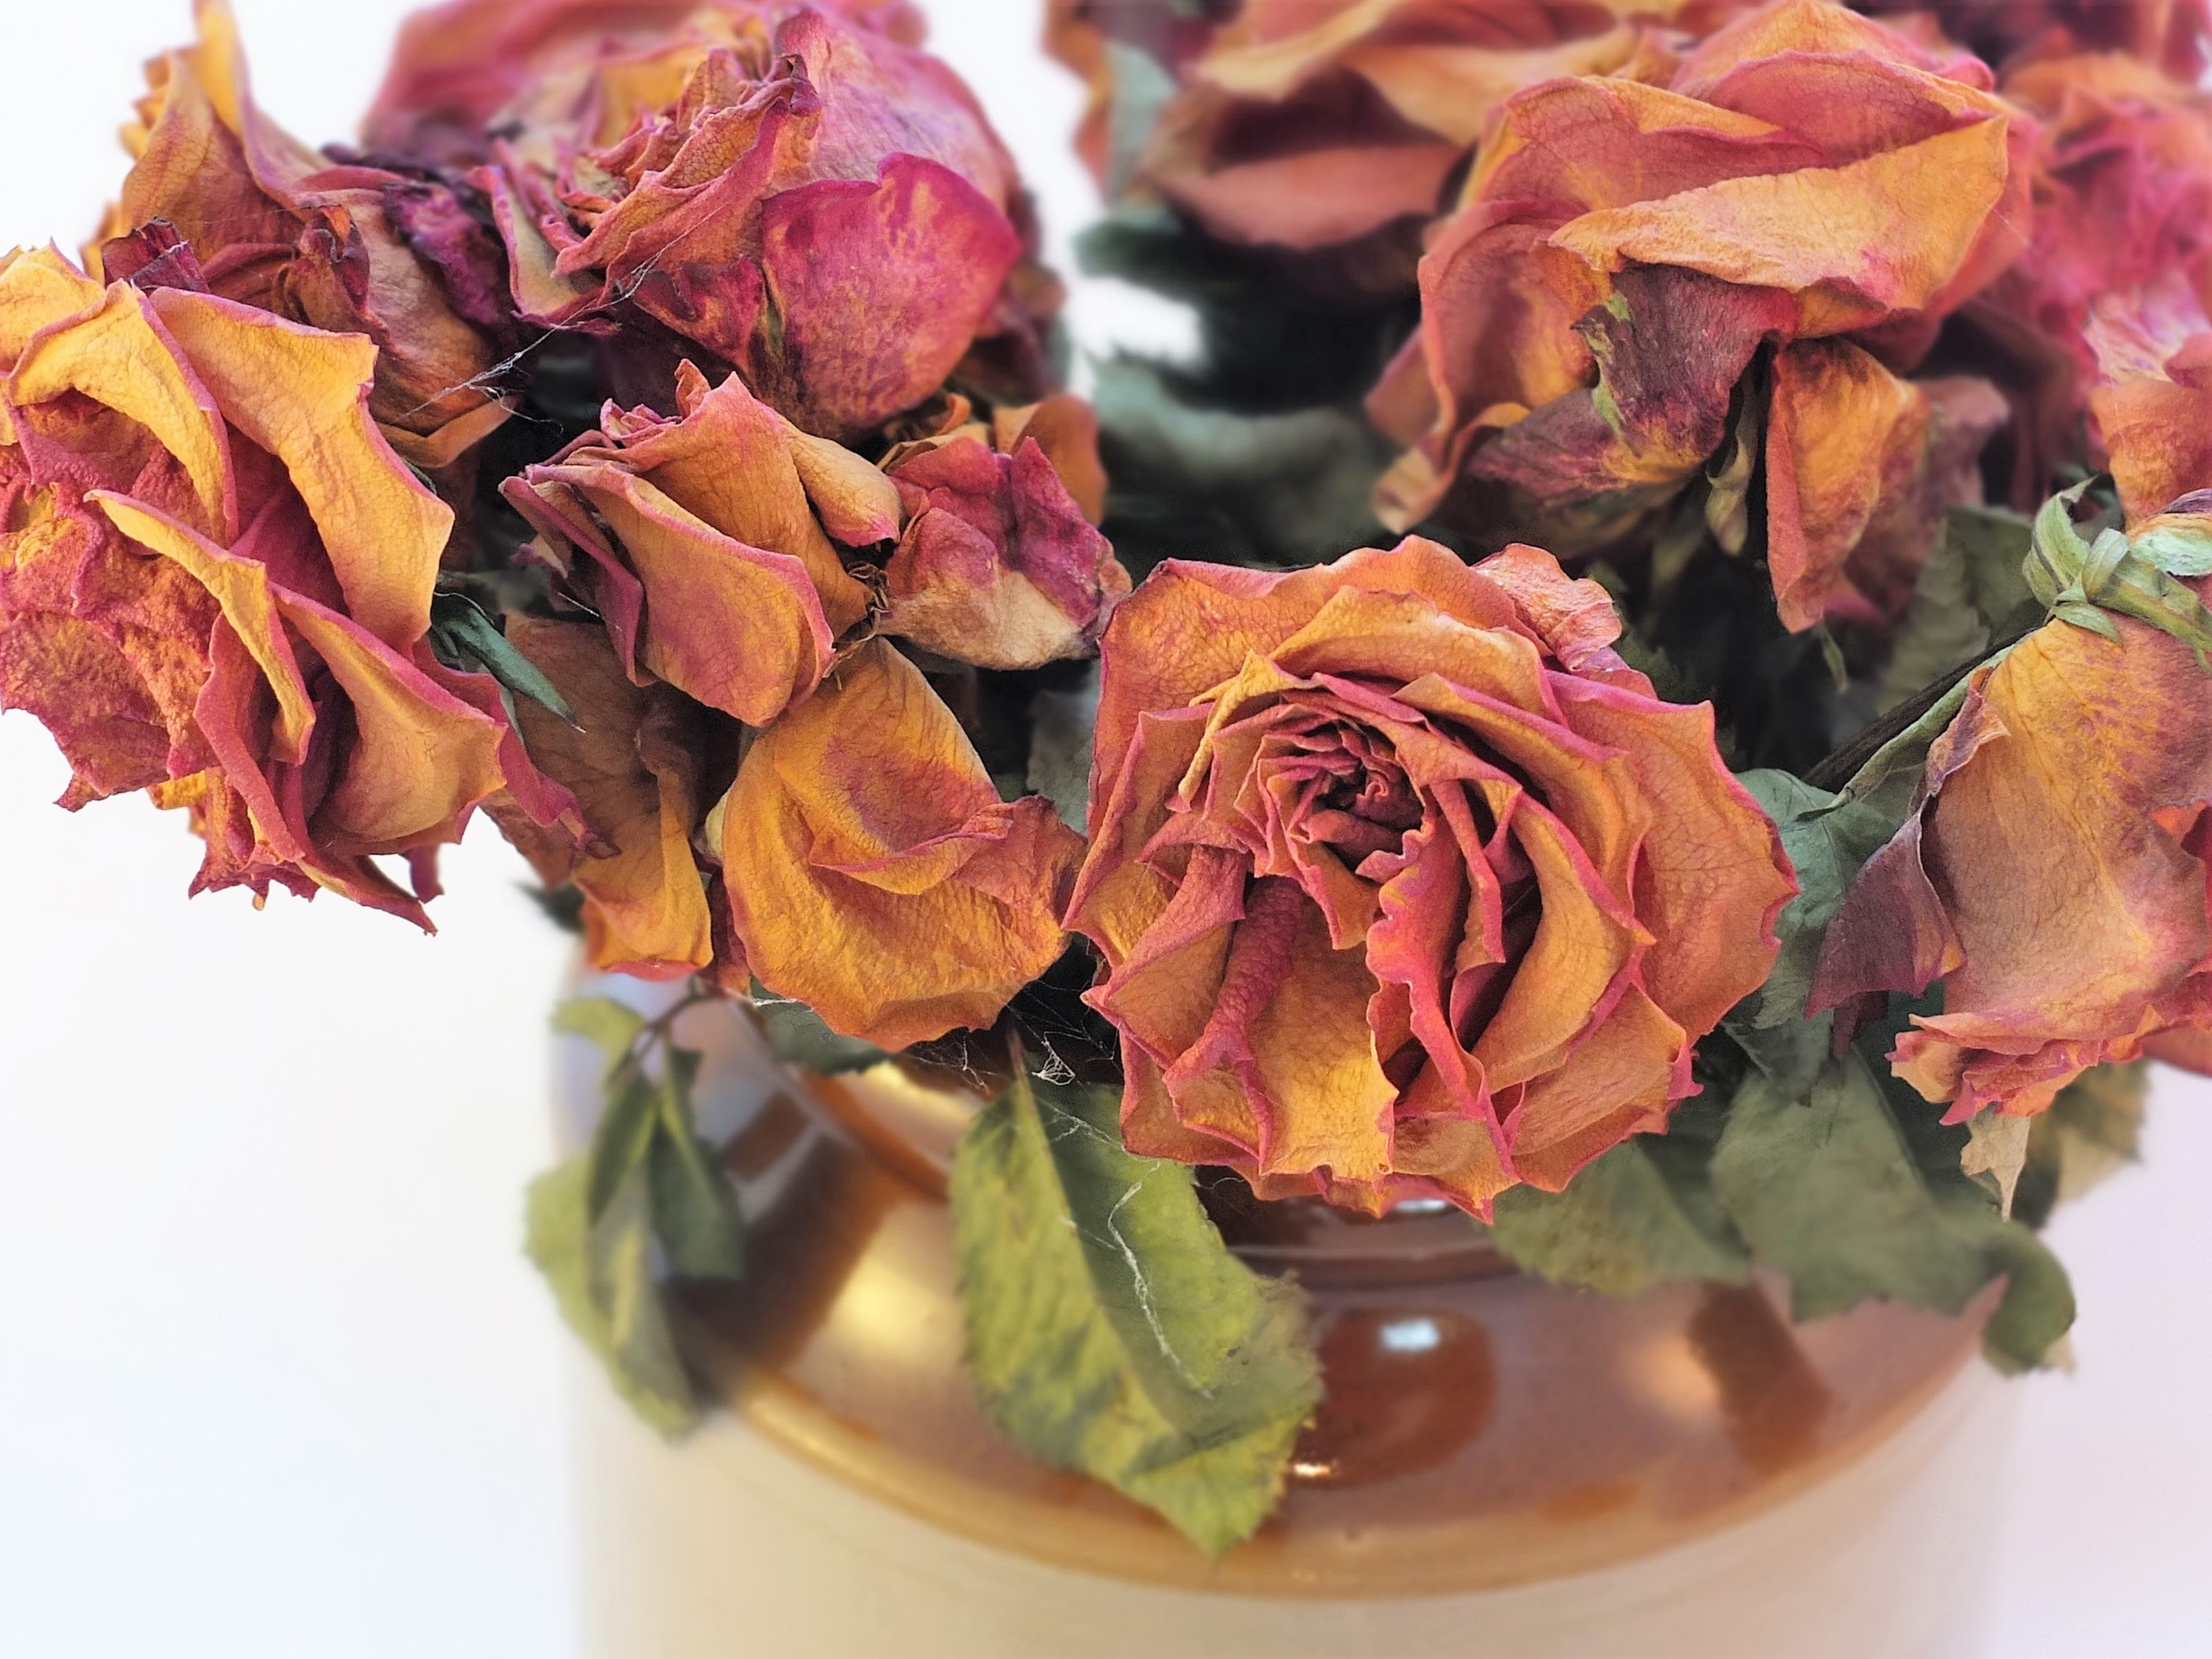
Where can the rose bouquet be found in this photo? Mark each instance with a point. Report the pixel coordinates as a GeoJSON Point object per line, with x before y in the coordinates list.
{"type": "Point", "coordinates": [1647, 684]}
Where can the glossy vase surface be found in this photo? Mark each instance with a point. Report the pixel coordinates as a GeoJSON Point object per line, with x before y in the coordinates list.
{"type": "Point", "coordinates": [1501, 1466]}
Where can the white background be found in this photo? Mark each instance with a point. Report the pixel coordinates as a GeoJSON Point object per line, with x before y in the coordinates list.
{"type": "Point", "coordinates": [275, 1381]}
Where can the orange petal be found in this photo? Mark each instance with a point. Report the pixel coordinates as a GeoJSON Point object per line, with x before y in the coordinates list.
{"type": "Point", "coordinates": [303, 395]}
{"type": "Point", "coordinates": [1845, 437]}
{"type": "Point", "coordinates": [242, 588]}
{"type": "Point", "coordinates": [738, 466]}
{"type": "Point", "coordinates": [646, 910]}
{"type": "Point", "coordinates": [417, 759]}
{"type": "Point", "coordinates": [1857, 243]}
{"type": "Point", "coordinates": [1712, 879]}
{"type": "Point", "coordinates": [869, 773]}
{"type": "Point", "coordinates": [2099, 744]}
{"type": "Point", "coordinates": [120, 356]}
{"type": "Point", "coordinates": [1617, 1083]}
{"type": "Point", "coordinates": [738, 627]}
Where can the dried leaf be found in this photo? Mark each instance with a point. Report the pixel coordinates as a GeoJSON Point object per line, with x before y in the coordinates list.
{"type": "Point", "coordinates": [1110, 1329]}
{"type": "Point", "coordinates": [1856, 1192]}
{"type": "Point", "coordinates": [1640, 1216]}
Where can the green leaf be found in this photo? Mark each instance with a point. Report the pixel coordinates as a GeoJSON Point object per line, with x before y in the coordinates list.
{"type": "Point", "coordinates": [1943, 627]}
{"type": "Point", "coordinates": [466, 638]}
{"type": "Point", "coordinates": [1110, 1329]}
{"type": "Point", "coordinates": [649, 1194]}
{"type": "Point", "coordinates": [625, 1140]}
{"type": "Point", "coordinates": [1829, 838]}
{"type": "Point", "coordinates": [1290, 488]}
{"type": "Point", "coordinates": [2092, 1132]}
{"type": "Point", "coordinates": [599, 1273]}
{"type": "Point", "coordinates": [797, 1037]}
{"type": "Point", "coordinates": [695, 1209]}
{"type": "Point", "coordinates": [1637, 1217]}
{"type": "Point", "coordinates": [615, 1026]}
{"type": "Point", "coordinates": [1856, 1192]}
{"type": "Point", "coordinates": [1993, 545]}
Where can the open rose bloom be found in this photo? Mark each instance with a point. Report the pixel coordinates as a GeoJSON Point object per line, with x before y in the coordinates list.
{"type": "Point", "coordinates": [1730, 647]}
{"type": "Point", "coordinates": [1407, 885]}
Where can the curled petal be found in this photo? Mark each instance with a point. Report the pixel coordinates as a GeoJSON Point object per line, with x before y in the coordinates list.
{"type": "Point", "coordinates": [632, 763]}
{"type": "Point", "coordinates": [872, 871]}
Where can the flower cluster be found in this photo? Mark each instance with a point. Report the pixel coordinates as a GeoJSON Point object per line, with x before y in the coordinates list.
{"type": "Point", "coordinates": [646, 437]}
{"type": "Point", "coordinates": [1681, 572]}
{"type": "Point", "coordinates": [308, 529]}
{"type": "Point", "coordinates": [1775, 317]}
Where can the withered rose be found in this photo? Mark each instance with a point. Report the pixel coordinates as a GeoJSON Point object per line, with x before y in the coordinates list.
{"type": "Point", "coordinates": [1000, 565]}
{"type": "Point", "coordinates": [221, 200]}
{"type": "Point", "coordinates": [868, 867]}
{"type": "Point", "coordinates": [815, 205]}
{"type": "Point", "coordinates": [1094, 37]}
{"type": "Point", "coordinates": [1309, 127]}
{"type": "Point", "coordinates": [706, 544]}
{"type": "Point", "coordinates": [458, 66]}
{"type": "Point", "coordinates": [729, 552]}
{"type": "Point", "coordinates": [2153, 401]}
{"type": "Point", "coordinates": [2122, 200]}
{"type": "Point", "coordinates": [216, 580]}
{"type": "Point", "coordinates": [1623, 251]}
{"type": "Point", "coordinates": [872, 871]}
{"type": "Point", "coordinates": [633, 759]}
{"type": "Point", "coordinates": [2171, 34]}
{"type": "Point", "coordinates": [1406, 884]}
{"type": "Point", "coordinates": [2052, 870]}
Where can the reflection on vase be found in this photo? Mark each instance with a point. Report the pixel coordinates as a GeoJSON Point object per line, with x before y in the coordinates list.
{"type": "Point", "coordinates": [1481, 1428]}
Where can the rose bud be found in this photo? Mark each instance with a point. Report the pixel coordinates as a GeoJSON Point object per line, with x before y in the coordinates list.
{"type": "Point", "coordinates": [221, 200]}
{"type": "Point", "coordinates": [1407, 886]}
{"type": "Point", "coordinates": [1624, 251]}
{"type": "Point", "coordinates": [2051, 873]}
{"type": "Point", "coordinates": [1308, 128]}
{"type": "Point", "coordinates": [708, 543]}
{"type": "Point", "coordinates": [872, 871]}
{"type": "Point", "coordinates": [216, 581]}
{"type": "Point", "coordinates": [817, 205]}
{"type": "Point", "coordinates": [999, 566]}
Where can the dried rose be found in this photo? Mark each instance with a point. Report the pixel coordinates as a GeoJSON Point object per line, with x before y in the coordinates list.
{"type": "Point", "coordinates": [1625, 250]}
{"type": "Point", "coordinates": [2170, 33]}
{"type": "Point", "coordinates": [1092, 36]}
{"type": "Point", "coordinates": [871, 870]}
{"type": "Point", "coordinates": [1000, 565]}
{"type": "Point", "coordinates": [215, 581]}
{"type": "Point", "coordinates": [2052, 870]}
{"type": "Point", "coordinates": [632, 758]}
{"type": "Point", "coordinates": [1406, 884]}
{"type": "Point", "coordinates": [2153, 401]}
{"type": "Point", "coordinates": [459, 66]}
{"type": "Point", "coordinates": [1311, 127]}
{"type": "Point", "coordinates": [706, 543]}
{"type": "Point", "coordinates": [2122, 199]}
{"type": "Point", "coordinates": [221, 200]}
{"type": "Point", "coordinates": [818, 206]}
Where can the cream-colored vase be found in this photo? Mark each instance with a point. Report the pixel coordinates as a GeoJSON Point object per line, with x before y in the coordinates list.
{"type": "Point", "coordinates": [1502, 1469]}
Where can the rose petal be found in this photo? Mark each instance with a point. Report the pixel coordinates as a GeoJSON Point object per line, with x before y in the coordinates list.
{"type": "Point", "coordinates": [873, 767]}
